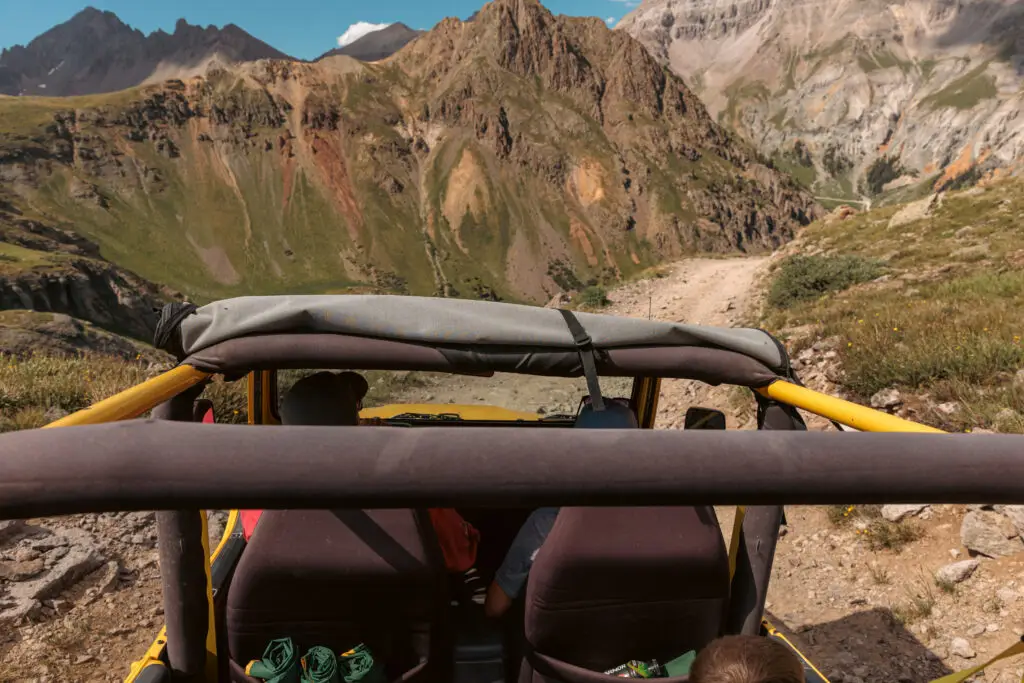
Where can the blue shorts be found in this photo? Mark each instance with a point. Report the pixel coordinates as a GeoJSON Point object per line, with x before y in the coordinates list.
{"type": "Point", "coordinates": [511, 575]}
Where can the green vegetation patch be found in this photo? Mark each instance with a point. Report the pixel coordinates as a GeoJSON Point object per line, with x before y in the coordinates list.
{"type": "Point", "coordinates": [947, 322]}
{"type": "Point", "coordinates": [801, 278]}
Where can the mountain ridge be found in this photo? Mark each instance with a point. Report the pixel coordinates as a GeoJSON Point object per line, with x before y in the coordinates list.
{"type": "Point", "coordinates": [94, 52]}
{"type": "Point", "coordinates": [376, 45]}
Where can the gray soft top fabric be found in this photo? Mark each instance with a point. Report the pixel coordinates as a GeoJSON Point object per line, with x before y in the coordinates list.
{"type": "Point", "coordinates": [451, 322]}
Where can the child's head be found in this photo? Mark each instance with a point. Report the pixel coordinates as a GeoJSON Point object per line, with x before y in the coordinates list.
{"type": "Point", "coordinates": [746, 659]}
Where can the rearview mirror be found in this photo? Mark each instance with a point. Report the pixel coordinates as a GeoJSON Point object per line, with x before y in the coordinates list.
{"type": "Point", "coordinates": [704, 418]}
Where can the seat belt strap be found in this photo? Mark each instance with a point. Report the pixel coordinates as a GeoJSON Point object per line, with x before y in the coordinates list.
{"type": "Point", "coordinates": [960, 676]}
{"type": "Point", "coordinates": [585, 346]}
{"type": "Point", "coordinates": [734, 541]}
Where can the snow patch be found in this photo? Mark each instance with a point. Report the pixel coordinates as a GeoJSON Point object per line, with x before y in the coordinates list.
{"type": "Point", "coordinates": [357, 31]}
{"type": "Point", "coordinates": [43, 86]}
{"type": "Point", "coordinates": [51, 71]}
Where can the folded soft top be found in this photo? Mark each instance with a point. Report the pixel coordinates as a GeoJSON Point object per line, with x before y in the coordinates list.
{"type": "Point", "coordinates": [185, 330]}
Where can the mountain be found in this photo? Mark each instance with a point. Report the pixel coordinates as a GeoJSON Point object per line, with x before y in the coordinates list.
{"type": "Point", "coordinates": [855, 96]}
{"type": "Point", "coordinates": [516, 157]}
{"type": "Point", "coordinates": [95, 52]}
{"type": "Point", "coordinates": [377, 44]}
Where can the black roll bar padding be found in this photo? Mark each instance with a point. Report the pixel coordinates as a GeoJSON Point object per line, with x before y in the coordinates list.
{"type": "Point", "coordinates": [759, 535]}
{"type": "Point", "coordinates": [153, 464]}
{"type": "Point", "coordinates": [183, 569]}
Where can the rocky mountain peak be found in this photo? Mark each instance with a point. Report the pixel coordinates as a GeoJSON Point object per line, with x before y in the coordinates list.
{"type": "Point", "coordinates": [96, 52]}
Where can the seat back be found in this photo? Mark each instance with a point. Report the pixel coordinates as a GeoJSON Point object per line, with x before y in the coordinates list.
{"type": "Point", "coordinates": [338, 578]}
{"type": "Point", "coordinates": [614, 584]}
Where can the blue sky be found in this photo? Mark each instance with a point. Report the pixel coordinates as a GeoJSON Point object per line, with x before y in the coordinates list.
{"type": "Point", "coordinates": [301, 28]}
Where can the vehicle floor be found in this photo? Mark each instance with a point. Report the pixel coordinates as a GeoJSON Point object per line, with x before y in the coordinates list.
{"type": "Point", "coordinates": [859, 611]}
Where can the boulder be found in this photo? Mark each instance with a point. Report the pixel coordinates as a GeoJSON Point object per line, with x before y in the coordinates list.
{"type": "Point", "coordinates": [990, 534]}
{"type": "Point", "coordinates": [10, 528]}
{"type": "Point", "coordinates": [20, 570]}
{"type": "Point", "coordinates": [957, 572]}
{"type": "Point", "coordinates": [895, 513]}
{"type": "Point", "coordinates": [1015, 513]}
{"type": "Point", "coordinates": [887, 398]}
{"type": "Point", "coordinates": [961, 647]}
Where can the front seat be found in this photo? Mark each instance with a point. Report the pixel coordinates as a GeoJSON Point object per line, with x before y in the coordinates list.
{"type": "Point", "coordinates": [614, 584]}
{"type": "Point", "coordinates": [338, 578]}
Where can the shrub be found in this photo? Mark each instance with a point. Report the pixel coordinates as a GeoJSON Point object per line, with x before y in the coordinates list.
{"type": "Point", "coordinates": [594, 297]}
{"type": "Point", "coordinates": [883, 171]}
{"type": "Point", "coordinates": [800, 278]}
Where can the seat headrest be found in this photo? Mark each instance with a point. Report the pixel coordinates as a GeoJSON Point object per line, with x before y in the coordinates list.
{"type": "Point", "coordinates": [614, 416]}
{"type": "Point", "coordinates": [326, 399]}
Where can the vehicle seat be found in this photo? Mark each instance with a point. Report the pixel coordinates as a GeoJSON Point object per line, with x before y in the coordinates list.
{"type": "Point", "coordinates": [338, 578]}
{"type": "Point", "coordinates": [614, 584]}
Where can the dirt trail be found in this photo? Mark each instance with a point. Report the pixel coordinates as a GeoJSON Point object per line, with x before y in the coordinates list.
{"type": "Point", "coordinates": [701, 292]}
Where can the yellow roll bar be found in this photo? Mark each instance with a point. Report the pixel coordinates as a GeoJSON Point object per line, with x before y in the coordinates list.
{"type": "Point", "coordinates": [133, 402]}
{"type": "Point", "coordinates": [844, 412]}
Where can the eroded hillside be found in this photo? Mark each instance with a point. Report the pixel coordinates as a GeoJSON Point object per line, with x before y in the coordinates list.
{"type": "Point", "coordinates": [855, 97]}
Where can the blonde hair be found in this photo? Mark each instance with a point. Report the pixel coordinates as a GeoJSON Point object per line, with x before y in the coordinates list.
{"type": "Point", "coordinates": [746, 659]}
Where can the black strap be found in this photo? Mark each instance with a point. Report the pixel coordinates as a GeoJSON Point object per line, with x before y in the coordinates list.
{"type": "Point", "coordinates": [586, 349]}
{"type": "Point", "coordinates": [168, 328]}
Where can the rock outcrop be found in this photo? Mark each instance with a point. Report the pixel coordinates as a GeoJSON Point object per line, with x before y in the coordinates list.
{"type": "Point", "coordinates": [855, 97]}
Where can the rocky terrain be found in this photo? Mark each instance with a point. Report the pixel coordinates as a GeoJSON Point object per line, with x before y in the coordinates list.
{"type": "Point", "coordinates": [377, 45]}
{"type": "Point", "coordinates": [566, 156]}
{"type": "Point", "coordinates": [95, 52]}
{"type": "Point", "coordinates": [855, 97]}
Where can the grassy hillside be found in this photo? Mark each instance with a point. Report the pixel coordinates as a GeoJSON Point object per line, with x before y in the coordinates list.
{"type": "Point", "coordinates": [931, 306]}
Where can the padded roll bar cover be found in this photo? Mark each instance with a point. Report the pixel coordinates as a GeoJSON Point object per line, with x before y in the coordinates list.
{"type": "Point", "coordinates": [183, 568]}
{"type": "Point", "coordinates": [760, 535]}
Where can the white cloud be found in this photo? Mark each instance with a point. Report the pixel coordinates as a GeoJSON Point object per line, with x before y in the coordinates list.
{"type": "Point", "coordinates": [610, 20]}
{"type": "Point", "coordinates": [627, 3]}
{"type": "Point", "coordinates": [357, 31]}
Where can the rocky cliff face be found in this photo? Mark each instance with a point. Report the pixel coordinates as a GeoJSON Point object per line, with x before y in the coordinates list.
{"type": "Point", "coordinates": [515, 156]}
{"type": "Point", "coordinates": [854, 96]}
{"type": "Point", "coordinates": [95, 52]}
{"type": "Point", "coordinates": [48, 269]}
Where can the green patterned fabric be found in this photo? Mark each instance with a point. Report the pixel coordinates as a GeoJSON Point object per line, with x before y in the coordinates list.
{"type": "Point", "coordinates": [279, 663]}
{"type": "Point", "coordinates": [359, 667]}
{"type": "Point", "coordinates": [320, 666]}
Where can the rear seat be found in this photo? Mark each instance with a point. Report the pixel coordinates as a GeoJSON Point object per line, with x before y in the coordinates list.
{"type": "Point", "coordinates": [339, 578]}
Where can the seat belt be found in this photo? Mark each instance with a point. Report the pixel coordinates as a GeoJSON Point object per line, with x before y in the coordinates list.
{"type": "Point", "coordinates": [960, 676]}
{"type": "Point", "coordinates": [585, 346]}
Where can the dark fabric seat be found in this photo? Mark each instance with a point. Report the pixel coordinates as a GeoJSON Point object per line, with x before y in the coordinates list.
{"type": "Point", "coordinates": [339, 578]}
{"type": "Point", "coordinates": [614, 584]}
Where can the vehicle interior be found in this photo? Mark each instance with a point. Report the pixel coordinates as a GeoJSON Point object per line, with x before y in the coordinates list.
{"type": "Point", "coordinates": [385, 563]}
